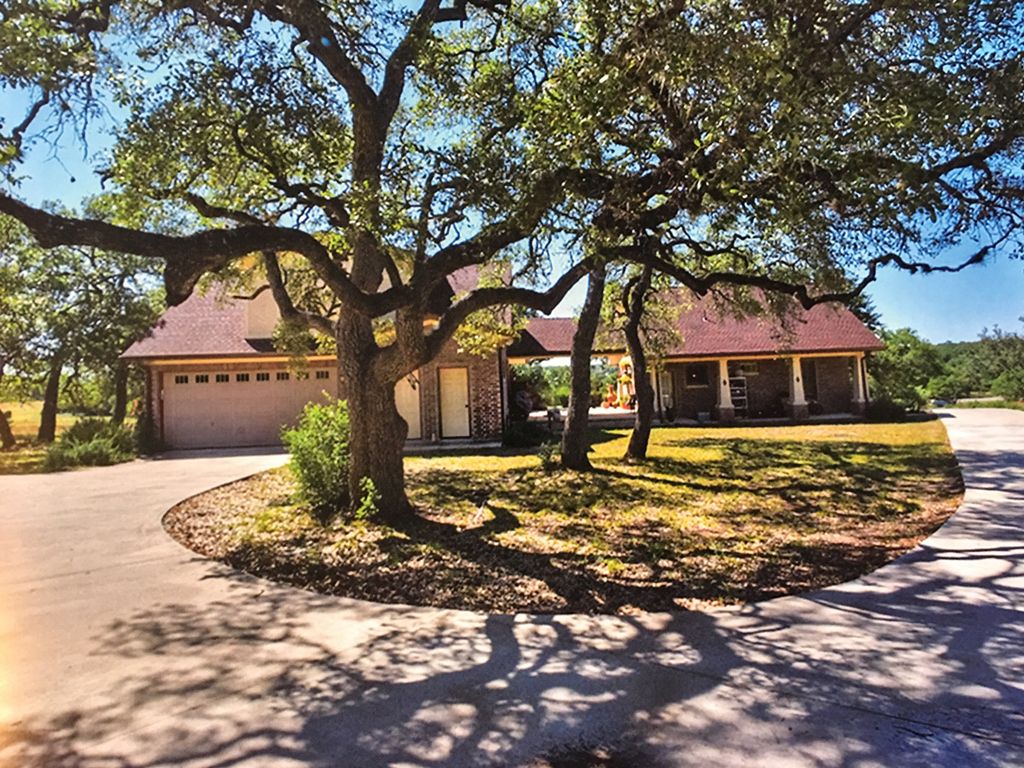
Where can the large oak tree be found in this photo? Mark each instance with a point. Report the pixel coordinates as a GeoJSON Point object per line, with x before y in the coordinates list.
{"type": "Point", "coordinates": [377, 149]}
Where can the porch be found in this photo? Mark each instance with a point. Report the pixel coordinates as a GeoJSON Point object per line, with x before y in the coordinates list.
{"type": "Point", "coordinates": [761, 389]}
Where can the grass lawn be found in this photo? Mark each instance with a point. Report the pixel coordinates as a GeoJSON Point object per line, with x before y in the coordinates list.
{"type": "Point", "coordinates": [716, 516]}
{"type": "Point", "coordinates": [1016, 405]}
{"type": "Point", "coordinates": [28, 456]}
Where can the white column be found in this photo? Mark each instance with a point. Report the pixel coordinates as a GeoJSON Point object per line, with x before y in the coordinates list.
{"type": "Point", "coordinates": [724, 392]}
{"type": "Point", "coordinates": [796, 382]}
{"type": "Point", "coordinates": [859, 395]}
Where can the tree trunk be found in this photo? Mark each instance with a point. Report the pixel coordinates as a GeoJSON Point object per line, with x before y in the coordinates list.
{"type": "Point", "coordinates": [376, 430]}
{"type": "Point", "coordinates": [574, 437]}
{"type": "Point", "coordinates": [120, 392]}
{"type": "Point", "coordinates": [7, 440]}
{"type": "Point", "coordinates": [48, 420]}
{"type": "Point", "coordinates": [633, 298]}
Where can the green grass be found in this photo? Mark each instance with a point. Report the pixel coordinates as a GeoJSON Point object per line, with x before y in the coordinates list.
{"type": "Point", "coordinates": [28, 456]}
{"type": "Point", "coordinates": [715, 516]}
{"type": "Point", "coordinates": [1016, 405]}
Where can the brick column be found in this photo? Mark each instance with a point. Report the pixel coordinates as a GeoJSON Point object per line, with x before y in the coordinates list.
{"type": "Point", "coordinates": [724, 409]}
{"type": "Point", "coordinates": [798, 410]}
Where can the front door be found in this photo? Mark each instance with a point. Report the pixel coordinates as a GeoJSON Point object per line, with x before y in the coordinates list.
{"type": "Point", "coordinates": [407, 400]}
{"type": "Point", "coordinates": [454, 386]}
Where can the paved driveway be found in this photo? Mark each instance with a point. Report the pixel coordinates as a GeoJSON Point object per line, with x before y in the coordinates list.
{"type": "Point", "coordinates": [120, 648]}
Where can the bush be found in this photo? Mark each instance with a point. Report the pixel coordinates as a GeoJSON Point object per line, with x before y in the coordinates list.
{"type": "Point", "coordinates": [884, 409]}
{"type": "Point", "coordinates": [146, 441]}
{"type": "Point", "coordinates": [525, 434]}
{"type": "Point", "coordinates": [1009, 385]}
{"type": "Point", "coordinates": [319, 446]}
{"type": "Point", "coordinates": [90, 443]}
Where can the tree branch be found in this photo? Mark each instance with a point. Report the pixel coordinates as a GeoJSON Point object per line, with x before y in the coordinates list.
{"type": "Point", "coordinates": [284, 302]}
{"type": "Point", "coordinates": [483, 298]}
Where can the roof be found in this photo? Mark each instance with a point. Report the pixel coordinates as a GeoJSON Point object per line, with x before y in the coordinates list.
{"type": "Point", "coordinates": [709, 330]}
{"type": "Point", "coordinates": [202, 325]}
{"type": "Point", "coordinates": [209, 325]}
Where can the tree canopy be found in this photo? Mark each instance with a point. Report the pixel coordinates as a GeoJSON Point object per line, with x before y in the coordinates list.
{"type": "Point", "coordinates": [375, 149]}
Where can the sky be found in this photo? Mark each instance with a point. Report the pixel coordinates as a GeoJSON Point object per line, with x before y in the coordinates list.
{"type": "Point", "coordinates": [940, 307]}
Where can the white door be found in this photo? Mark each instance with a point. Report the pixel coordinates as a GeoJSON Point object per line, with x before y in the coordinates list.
{"type": "Point", "coordinates": [454, 386]}
{"type": "Point", "coordinates": [202, 410]}
{"type": "Point", "coordinates": [407, 398]}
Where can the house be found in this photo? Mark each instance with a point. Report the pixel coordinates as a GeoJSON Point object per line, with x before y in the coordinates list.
{"type": "Point", "coordinates": [728, 367]}
{"type": "Point", "coordinates": [214, 378]}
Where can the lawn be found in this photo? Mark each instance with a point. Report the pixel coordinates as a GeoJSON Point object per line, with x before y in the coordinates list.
{"type": "Point", "coordinates": [717, 516]}
{"type": "Point", "coordinates": [1015, 405]}
{"type": "Point", "coordinates": [28, 456]}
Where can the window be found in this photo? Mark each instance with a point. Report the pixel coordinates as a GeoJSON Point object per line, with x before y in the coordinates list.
{"type": "Point", "coordinates": [222, 378]}
{"type": "Point", "coordinates": [241, 377]}
{"type": "Point", "coordinates": [696, 375]}
{"type": "Point", "coordinates": [746, 369]}
{"type": "Point", "coordinates": [283, 376]}
{"type": "Point", "coordinates": [202, 378]}
{"type": "Point", "coordinates": [263, 376]}
{"type": "Point", "coordinates": [302, 375]}
{"type": "Point", "coordinates": [181, 379]}
{"type": "Point", "coordinates": [323, 374]}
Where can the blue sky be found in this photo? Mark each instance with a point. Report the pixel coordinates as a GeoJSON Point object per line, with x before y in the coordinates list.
{"type": "Point", "coordinates": [940, 307]}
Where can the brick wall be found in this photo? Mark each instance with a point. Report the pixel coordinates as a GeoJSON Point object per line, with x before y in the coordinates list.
{"type": "Point", "coordinates": [835, 385]}
{"type": "Point", "coordinates": [768, 390]}
{"type": "Point", "coordinates": [689, 401]}
{"type": "Point", "coordinates": [486, 412]}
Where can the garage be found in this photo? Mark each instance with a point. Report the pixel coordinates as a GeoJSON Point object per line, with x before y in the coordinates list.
{"type": "Point", "coordinates": [217, 409]}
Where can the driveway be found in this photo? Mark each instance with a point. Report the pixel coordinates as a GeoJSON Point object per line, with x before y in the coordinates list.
{"type": "Point", "coordinates": [120, 648]}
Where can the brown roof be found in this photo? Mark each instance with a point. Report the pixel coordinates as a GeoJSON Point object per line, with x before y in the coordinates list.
{"type": "Point", "coordinates": [206, 325]}
{"type": "Point", "coordinates": [707, 330]}
{"type": "Point", "coordinates": [201, 326]}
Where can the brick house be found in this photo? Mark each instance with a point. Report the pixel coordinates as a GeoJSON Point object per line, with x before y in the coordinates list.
{"type": "Point", "coordinates": [214, 379]}
{"type": "Point", "coordinates": [726, 367]}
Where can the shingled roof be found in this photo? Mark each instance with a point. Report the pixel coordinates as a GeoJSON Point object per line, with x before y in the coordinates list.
{"type": "Point", "coordinates": [209, 325]}
{"type": "Point", "coordinates": [708, 330]}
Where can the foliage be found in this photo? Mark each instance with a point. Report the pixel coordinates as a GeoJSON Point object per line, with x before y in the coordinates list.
{"type": "Point", "coordinates": [359, 156]}
{"type": "Point", "coordinates": [147, 441]}
{"type": "Point", "coordinates": [902, 370]}
{"type": "Point", "coordinates": [319, 448]}
{"type": "Point", "coordinates": [548, 385]}
{"type": "Point", "coordinates": [525, 434]}
{"type": "Point", "coordinates": [1009, 384]}
{"type": "Point", "coordinates": [883, 409]}
{"type": "Point", "coordinates": [90, 442]}
{"type": "Point", "coordinates": [1013, 405]}
{"type": "Point", "coordinates": [369, 501]}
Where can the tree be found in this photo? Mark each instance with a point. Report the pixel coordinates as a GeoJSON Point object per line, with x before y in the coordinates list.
{"type": "Point", "coordinates": [75, 309]}
{"type": "Point", "coordinates": [577, 422]}
{"type": "Point", "coordinates": [1000, 358]}
{"type": "Point", "coordinates": [904, 367]}
{"type": "Point", "coordinates": [376, 150]}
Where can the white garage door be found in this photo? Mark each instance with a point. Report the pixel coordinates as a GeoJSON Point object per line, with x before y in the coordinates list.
{"type": "Point", "coordinates": [240, 408]}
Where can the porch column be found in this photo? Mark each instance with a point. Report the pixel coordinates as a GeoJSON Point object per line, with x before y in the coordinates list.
{"type": "Point", "coordinates": [859, 400]}
{"type": "Point", "coordinates": [797, 404]}
{"type": "Point", "coordinates": [724, 409]}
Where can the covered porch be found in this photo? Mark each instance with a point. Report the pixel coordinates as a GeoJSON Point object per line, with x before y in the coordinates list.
{"type": "Point", "coordinates": [751, 388]}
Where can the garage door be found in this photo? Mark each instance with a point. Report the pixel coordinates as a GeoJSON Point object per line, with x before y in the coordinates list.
{"type": "Point", "coordinates": [243, 408]}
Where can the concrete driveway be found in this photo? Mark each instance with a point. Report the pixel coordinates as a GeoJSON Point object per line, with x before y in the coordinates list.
{"type": "Point", "coordinates": [120, 648]}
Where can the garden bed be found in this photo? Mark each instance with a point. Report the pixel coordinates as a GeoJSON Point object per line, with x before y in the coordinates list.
{"type": "Point", "coordinates": [717, 516]}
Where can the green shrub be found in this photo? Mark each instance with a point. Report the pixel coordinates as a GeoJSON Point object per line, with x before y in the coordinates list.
{"type": "Point", "coordinates": [319, 446]}
{"type": "Point", "coordinates": [144, 435]}
{"type": "Point", "coordinates": [1009, 385]}
{"type": "Point", "coordinates": [90, 442]}
{"type": "Point", "coordinates": [525, 434]}
{"type": "Point", "coordinates": [884, 409]}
